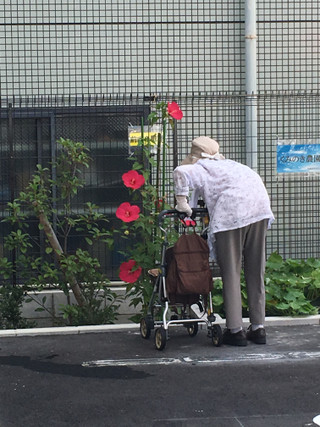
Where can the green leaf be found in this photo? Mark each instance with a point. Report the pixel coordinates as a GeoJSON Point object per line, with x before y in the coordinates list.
{"type": "Point", "coordinates": [282, 306]}
{"type": "Point", "coordinates": [89, 241]}
{"type": "Point", "coordinates": [314, 263]}
{"type": "Point", "coordinates": [274, 261]}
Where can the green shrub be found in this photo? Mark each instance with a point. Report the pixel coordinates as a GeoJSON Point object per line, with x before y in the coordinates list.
{"type": "Point", "coordinates": [292, 288]}
{"type": "Point", "coordinates": [58, 266]}
{"type": "Point", "coordinates": [11, 299]}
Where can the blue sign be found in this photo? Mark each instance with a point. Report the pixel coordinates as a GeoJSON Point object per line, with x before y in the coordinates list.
{"type": "Point", "coordinates": [298, 158]}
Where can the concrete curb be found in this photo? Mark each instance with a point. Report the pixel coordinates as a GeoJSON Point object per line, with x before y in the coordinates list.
{"type": "Point", "coordinates": [73, 330]}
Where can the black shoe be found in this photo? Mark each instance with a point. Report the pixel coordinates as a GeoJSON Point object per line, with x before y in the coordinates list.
{"type": "Point", "coordinates": [258, 336]}
{"type": "Point", "coordinates": [238, 338]}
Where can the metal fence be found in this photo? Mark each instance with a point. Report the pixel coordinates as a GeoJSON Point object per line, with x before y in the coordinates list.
{"type": "Point", "coordinates": [29, 129]}
{"type": "Point", "coordinates": [123, 46]}
{"type": "Point", "coordinates": [193, 51]}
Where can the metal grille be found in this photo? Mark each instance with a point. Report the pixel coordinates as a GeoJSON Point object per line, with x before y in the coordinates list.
{"type": "Point", "coordinates": [29, 130]}
{"type": "Point", "coordinates": [55, 54]}
{"type": "Point", "coordinates": [288, 45]}
{"type": "Point", "coordinates": [97, 47]}
{"type": "Point", "coordinates": [123, 46]}
{"type": "Point", "coordinates": [295, 197]}
{"type": "Point", "coordinates": [103, 126]}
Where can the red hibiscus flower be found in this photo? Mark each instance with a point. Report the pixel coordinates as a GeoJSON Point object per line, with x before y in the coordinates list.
{"type": "Point", "coordinates": [129, 272]}
{"type": "Point", "coordinates": [133, 179]}
{"type": "Point", "coordinates": [128, 212]}
{"type": "Point", "coordinates": [174, 110]}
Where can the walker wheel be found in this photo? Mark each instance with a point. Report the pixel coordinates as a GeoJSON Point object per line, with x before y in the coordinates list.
{"type": "Point", "coordinates": [145, 329]}
{"type": "Point", "coordinates": [160, 338]}
{"type": "Point", "coordinates": [216, 335]}
{"type": "Point", "coordinates": [193, 329]}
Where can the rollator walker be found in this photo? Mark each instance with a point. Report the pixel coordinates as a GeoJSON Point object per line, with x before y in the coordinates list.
{"type": "Point", "coordinates": [185, 308]}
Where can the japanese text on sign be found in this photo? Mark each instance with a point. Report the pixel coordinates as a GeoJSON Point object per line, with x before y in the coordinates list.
{"type": "Point", "coordinates": [298, 158]}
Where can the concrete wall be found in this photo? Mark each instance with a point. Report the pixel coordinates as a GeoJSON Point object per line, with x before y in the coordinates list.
{"type": "Point", "coordinates": [55, 299]}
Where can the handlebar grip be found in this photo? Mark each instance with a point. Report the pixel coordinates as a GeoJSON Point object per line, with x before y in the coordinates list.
{"type": "Point", "coordinates": [173, 213]}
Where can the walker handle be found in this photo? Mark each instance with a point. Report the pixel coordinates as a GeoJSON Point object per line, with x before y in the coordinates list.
{"type": "Point", "coordinates": [173, 213]}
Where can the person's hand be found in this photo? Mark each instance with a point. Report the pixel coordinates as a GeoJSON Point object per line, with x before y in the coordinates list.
{"type": "Point", "coordinates": [182, 205]}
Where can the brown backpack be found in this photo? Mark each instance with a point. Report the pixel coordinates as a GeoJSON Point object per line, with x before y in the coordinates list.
{"type": "Point", "coordinates": [188, 271]}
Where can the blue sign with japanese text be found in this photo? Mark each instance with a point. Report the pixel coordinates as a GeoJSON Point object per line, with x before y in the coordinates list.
{"type": "Point", "coordinates": [298, 158]}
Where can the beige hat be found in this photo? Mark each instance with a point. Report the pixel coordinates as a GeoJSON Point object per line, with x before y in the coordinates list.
{"type": "Point", "coordinates": [202, 147]}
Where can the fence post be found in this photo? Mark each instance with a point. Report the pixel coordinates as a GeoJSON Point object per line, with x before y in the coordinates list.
{"type": "Point", "coordinates": [12, 180]}
{"type": "Point", "coordinates": [53, 168]}
{"type": "Point", "coordinates": [251, 84]}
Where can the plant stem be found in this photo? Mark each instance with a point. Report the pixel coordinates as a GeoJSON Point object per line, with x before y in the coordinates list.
{"type": "Point", "coordinates": [164, 127]}
{"type": "Point", "coordinates": [54, 242]}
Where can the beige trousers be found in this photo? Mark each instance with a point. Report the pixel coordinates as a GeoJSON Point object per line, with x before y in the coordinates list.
{"type": "Point", "coordinates": [245, 244]}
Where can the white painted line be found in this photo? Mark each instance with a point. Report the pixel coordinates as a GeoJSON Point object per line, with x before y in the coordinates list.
{"type": "Point", "coordinates": [316, 420]}
{"type": "Point", "coordinates": [252, 357]}
{"type": "Point", "coordinates": [130, 362]}
{"type": "Point", "coordinates": [261, 357]}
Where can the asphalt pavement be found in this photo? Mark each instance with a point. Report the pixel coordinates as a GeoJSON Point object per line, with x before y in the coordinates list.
{"type": "Point", "coordinates": [90, 377]}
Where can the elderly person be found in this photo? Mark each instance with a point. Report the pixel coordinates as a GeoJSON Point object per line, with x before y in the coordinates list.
{"type": "Point", "coordinates": [240, 214]}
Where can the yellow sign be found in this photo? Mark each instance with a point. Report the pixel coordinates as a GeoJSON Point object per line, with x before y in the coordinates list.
{"type": "Point", "coordinates": [150, 135]}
